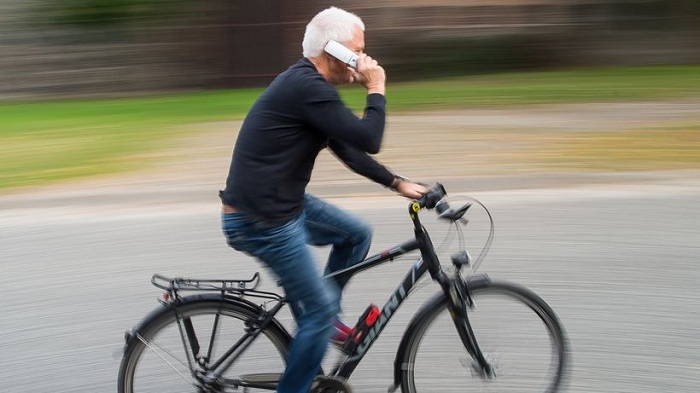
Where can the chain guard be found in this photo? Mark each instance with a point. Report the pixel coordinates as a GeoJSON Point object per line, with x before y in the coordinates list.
{"type": "Point", "coordinates": [329, 385]}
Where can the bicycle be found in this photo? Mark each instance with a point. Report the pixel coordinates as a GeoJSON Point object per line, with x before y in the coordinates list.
{"type": "Point", "coordinates": [219, 339]}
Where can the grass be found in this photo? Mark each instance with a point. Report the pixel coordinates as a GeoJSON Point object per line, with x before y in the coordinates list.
{"type": "Point", "coordinates": [57, 140]}
{"type": "Point", "coordinates": [53, 141]}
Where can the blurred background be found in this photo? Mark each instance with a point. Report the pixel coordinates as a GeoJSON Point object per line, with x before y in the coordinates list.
{"type": "Point", "coordinates": [577, 122]}
{"type": "Point", "coordinates": [67, 47]}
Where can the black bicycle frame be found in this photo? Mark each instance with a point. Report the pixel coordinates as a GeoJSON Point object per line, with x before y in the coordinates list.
{"type": "Point", "coordinates": [428, 262]}
{"type": "Point", "coordinates": [346, 368]}
{"type": "Point", "coordinates": [348, 365]}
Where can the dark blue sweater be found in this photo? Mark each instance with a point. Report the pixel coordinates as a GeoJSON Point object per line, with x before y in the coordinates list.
{"type": "Point", "coordinates": [295, 117]}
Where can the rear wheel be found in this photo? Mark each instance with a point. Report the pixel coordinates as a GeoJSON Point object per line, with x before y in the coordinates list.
{"type": "Point", "coordinates": [517, 331]}
{"type": "Point", "coordinates": [175, 348]}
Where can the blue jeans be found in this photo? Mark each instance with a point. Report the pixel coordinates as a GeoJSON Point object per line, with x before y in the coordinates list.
{"type": "Point", "coordinates": [350, 236]}
{"type": "Point", "coordinates": [314, 303]}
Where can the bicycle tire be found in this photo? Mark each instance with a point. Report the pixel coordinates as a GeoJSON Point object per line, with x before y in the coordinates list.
{"type": "Point", "coordinates": [155, 359]}
{"type": "Point", "coordinates": [435, 360]}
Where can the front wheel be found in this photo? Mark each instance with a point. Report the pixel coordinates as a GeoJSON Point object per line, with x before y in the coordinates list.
{"type": "Point", "coordinates": [176, 348]}
{"type": "Point", "coordinates": [518, 333]}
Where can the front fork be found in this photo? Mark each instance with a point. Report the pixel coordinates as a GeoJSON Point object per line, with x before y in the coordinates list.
{"type": "Point", "coordinates": [460, 301]}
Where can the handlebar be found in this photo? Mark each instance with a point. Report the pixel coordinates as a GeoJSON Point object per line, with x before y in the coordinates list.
{"type": "Point", "coordinates": [436, 198]}
{"type": "Point", "coordinates": [432, 197]}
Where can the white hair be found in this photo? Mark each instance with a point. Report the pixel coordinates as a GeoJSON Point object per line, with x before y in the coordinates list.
{"type": "Point", "coordinates": [329, 24]}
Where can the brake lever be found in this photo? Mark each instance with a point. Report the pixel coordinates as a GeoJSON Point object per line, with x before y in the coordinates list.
{"type": "Point", "coordinates": [451, 214]}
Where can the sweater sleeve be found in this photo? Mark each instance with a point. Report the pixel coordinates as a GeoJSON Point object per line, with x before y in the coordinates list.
{"type": "Point", "coordinates": [325, 111]}
{"type": "Point", "coordinates": [361, 163]}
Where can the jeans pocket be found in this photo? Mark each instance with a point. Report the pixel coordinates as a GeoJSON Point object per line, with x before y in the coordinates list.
{"type": "Point", "coordinates": [234, 226]}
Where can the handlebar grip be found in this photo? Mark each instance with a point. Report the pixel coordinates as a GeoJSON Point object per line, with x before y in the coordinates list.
{"type": "Point", "coordinates": [432, 197]}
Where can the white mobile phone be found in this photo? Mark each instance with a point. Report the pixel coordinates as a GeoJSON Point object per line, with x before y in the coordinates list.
{"type": "Point", "coordinates": [341, 53]}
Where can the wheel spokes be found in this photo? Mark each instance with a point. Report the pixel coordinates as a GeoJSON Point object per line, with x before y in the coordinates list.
{"type": "Point", "coordinates": [152, 347]}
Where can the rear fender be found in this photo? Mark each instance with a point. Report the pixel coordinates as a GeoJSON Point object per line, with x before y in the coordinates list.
{"type": "Point", "coordinates": [254, 309]}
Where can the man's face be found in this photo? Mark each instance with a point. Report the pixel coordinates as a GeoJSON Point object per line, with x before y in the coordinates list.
{"type": "Point", "coordinates": [339, 73]}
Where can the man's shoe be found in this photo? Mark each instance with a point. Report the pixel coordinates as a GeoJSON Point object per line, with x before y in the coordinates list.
{"type": "Point", "coordinates": [340, 333]}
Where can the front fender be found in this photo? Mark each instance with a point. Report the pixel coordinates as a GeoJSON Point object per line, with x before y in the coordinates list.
{"type": "Point", "coordinates": [428, 310]}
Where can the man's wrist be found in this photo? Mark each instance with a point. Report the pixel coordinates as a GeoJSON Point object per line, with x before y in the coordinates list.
{"type": "Point", "coordinates": [376, 89]}
{"type": "Point", "coordinates": [398, 179]}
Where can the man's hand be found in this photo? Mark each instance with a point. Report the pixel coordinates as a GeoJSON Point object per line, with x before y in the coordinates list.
{"type": "Point", "coordinates": [370, 75]}
{"type": "Point", "coordinates": [411, 190]}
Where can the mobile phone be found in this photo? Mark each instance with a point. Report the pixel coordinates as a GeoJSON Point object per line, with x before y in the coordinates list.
{"type": "Point", "coordinates": [341, 53]}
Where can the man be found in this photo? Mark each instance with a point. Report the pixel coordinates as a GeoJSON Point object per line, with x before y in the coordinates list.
{"type": "Point", "coordinates": [266, 212]}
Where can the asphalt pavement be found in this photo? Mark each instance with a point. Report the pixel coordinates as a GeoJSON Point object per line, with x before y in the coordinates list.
{"type": "Point", "coordinates": [616, 257]}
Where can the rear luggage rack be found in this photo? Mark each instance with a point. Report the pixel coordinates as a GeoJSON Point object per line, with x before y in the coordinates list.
{"type": "Point", "coordinates": [232, 287]}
